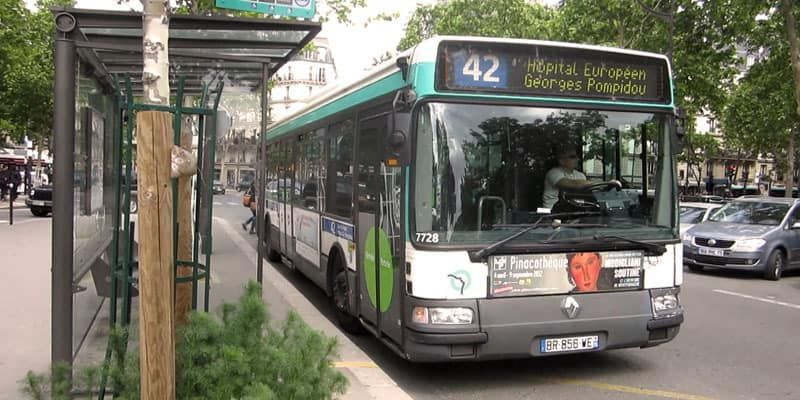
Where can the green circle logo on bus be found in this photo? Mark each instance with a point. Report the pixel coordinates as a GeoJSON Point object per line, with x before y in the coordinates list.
{"type": "Point", "coordinates": [386, 270]}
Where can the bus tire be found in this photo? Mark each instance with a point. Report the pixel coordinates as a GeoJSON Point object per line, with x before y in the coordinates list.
{"type": "Point", "coordinates": [775, 265]}
{"type": "Point", "coordinates": [272, 254]}
{"type": "Point", "coordinates": [340, 288]}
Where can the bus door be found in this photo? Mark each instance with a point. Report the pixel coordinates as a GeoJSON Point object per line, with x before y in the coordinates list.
{"type": "Point", "coordinates": [378, 231]}
{"type": "Point", "coordinates": [286, 191]}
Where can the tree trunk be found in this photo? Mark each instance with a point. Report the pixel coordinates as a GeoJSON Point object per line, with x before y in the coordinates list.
{"type": "Point", "coordinates": [789, 178]}
{"type": "Point", "coordinates": [156, 271]}
{"type": "Point", "coordinates": [156, 329]}
{"type": "Point", "coordinates": [183, 291]}
{"type": "Point", "coordinates": [155, 39]}
{"type": "Point", "coordinates": [794, 47]}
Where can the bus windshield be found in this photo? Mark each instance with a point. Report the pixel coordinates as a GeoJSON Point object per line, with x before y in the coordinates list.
{"type": "Point", "coordinates": [481, 171]}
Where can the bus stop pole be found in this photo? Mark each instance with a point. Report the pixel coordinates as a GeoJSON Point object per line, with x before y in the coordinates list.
{"type": "Point", "coordinates": [63, 143]}
{"type": "Point", "coordinates": [261, 173]}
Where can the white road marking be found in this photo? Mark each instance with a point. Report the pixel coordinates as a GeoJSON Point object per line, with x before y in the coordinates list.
{"type": "Point", "coordinates": [747, 296]}
{"type": "Point", "coordinates": [232, 203]}
{"type": "Point", "coordinates": [217, 203]}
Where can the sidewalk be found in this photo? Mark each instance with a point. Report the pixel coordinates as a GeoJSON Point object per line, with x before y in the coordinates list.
{"type": "Point", "coordinates": [24, 303]}
{"type": "Point", "coordinates": [19, 203]}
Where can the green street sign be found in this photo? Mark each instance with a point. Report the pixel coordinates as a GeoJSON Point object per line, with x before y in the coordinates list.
{"type": "Point", "coordinates": [287, 8]}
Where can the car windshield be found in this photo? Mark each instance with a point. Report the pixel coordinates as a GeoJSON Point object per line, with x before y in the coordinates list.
{"type": "Point", "coordinates": [481, 171]}
{"type": "Point", "coordinates": [751, 213]}
{"type": "Point", "coordinates": [692, 215]}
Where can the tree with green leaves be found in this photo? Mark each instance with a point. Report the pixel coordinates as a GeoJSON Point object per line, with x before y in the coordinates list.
{"type": "Point", "coordinates": [501, 18]}
{"type": "Point", "coordinates": [762, 115]}
{"type": "Point", "coordinates": [26, 70]}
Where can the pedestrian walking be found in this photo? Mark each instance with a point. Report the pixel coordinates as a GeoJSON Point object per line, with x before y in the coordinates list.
{"type": "Point", "coordinates": [15, 180]}
{"type": "Point", "coordinates": [4, 181]}
{"type": "Point", "coordinates": [249, 200]}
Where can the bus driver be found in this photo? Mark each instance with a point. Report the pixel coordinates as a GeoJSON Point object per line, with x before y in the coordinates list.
{"type": "Point", "coordinates": [565, 176]}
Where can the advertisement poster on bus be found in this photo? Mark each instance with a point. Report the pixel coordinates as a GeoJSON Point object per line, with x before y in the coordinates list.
{"type": "Point", "coordinates": [526, 274]}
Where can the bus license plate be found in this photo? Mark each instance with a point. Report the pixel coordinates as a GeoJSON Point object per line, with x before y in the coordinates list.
{"type": "Point", "coordinates": [711, 252]}
{"type": "Point", "coordinates": [577, 343]}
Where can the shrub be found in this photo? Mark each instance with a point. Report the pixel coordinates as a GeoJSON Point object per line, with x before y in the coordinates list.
{"type": "Point", "coordinates": [237, 356]}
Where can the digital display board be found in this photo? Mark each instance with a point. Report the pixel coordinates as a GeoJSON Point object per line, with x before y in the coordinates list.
{"type": "Point", "coordinates": [539, 70]}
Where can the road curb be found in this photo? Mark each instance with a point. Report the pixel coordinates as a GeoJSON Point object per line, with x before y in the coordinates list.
{"type": "Point", "coordinates": [369, 375]}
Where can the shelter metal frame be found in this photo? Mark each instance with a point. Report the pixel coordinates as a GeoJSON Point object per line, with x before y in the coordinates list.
{"type": "Point", "coordinates": [204, 51]}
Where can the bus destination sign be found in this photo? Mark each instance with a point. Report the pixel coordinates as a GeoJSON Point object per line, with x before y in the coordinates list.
{"type": "Point", "coordinates": [538, 70]}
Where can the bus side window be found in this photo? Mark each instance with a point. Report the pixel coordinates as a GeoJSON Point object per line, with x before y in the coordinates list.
{"type": "Point", "coordinates": [340, 170]}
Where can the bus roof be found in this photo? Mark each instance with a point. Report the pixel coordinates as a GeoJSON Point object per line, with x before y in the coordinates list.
{"type": "Point", "coordinates": [386, 77]}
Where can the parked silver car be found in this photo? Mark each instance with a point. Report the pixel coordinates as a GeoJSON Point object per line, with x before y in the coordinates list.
{"type": "Point", "coordinates": [695, 213]}
{"type": "Point", "coordinates": [750, 233]}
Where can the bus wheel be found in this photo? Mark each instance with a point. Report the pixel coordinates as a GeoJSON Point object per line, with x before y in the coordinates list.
{"type": "Point", "coordinates": [272, 254]}
{"type": "Point", "coordinates": [341, 300]}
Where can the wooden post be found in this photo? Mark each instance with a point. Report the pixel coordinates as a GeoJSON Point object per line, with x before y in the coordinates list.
{"type": "Point", "coordinates": [156, 329]}
{"type": "Point", "coordinates": [183, 295]}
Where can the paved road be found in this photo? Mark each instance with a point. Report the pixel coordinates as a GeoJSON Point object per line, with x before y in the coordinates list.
{"type": "Point", "coordinates": [739, 341]}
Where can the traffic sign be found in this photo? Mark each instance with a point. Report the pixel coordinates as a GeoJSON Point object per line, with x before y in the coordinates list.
{"type": "Point", "coordinates": [287, 8]}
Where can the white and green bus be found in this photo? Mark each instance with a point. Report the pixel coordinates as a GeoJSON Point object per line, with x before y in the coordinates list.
{"type": "Point", "coordinates": [481, 198]}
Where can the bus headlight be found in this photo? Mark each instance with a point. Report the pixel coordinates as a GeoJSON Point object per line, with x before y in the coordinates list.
{"type": "Point", "coordinates": [665, 302]}
{"type": "Point", "coordinates": [748, 244]}
{"type": "Point", "coordinates": [443, 315]}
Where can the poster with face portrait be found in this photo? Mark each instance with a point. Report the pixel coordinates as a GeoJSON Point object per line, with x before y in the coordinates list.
{"type": "Point", "coordinates": [582, 272]}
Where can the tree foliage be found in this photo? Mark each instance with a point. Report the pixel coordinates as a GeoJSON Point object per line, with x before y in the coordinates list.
{"type": "Point", "coordinates": [237, 356]}
{"type": "Point", "coordinates": [26, 69]}
{"type": "Point", "coordinates": [501, 18]}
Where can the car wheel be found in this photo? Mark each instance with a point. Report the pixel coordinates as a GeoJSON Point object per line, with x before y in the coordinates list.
{"type": "Point", "coordinates": [341, 299]}
{"type": "Point", "coordinates": [272, 254]}
{"type": "Point", "coordinates": [775, 265]}
{"type": "Point", "coordinates": [695, 267]}
{"type": "Point", "coordinates": [39, 212]}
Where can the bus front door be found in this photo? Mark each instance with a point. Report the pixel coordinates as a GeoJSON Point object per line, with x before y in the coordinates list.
{"type": "Point", "coordinates": [377, 231]}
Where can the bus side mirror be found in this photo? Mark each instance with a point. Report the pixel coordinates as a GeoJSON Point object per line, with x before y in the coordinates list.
{"type": "Point", "coordinates": [396, 149]}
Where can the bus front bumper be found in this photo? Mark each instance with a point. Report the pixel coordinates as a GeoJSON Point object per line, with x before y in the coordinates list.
{"type": "Point", "coordinates": [514, 327]}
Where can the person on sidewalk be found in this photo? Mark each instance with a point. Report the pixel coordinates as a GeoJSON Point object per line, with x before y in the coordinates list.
{"type": "Point", "coordinates": [252, 220]}
{"type": "Point", "coordinates": [15, 181]}
{"type": "Point", "coordinates": [4, 181]}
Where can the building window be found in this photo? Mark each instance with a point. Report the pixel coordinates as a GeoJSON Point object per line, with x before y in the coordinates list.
{"type": "Point", "coordinates": [310, 88]}
{"type": "Point", "coordinates": [763, 171]}
{"type": "Point", "coordinates": [289, 73]}
{"type": "Point", "coordinates": [310, 73]}
{"type": "Point", "coordinates": [286, 97]}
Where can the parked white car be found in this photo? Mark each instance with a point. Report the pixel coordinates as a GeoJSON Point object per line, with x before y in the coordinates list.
{"type": "Point", "coordinates": [695, 213]}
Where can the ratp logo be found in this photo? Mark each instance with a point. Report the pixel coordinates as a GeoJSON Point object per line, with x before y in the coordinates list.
{"type": "Point", "coordinates": [499, 263]}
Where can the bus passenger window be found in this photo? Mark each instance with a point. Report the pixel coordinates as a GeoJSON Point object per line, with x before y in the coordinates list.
{"type": "Point", "coordinates": [340, 170]}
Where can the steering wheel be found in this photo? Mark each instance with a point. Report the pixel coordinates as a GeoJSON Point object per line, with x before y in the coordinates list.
{"type": "Point", "coordinates": [578, 201]}
{"type": "Point", "coordinates": [604, 186]}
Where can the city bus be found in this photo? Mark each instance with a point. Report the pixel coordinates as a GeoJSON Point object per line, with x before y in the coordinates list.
{"type": "Point", "coordinates": [417, 198]}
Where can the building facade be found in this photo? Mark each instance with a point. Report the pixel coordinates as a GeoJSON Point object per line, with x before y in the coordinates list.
{"type": "Point", "coordinates": [293, 86]}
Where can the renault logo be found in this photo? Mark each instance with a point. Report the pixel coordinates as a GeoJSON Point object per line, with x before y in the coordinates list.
{"type": "Point", "coordinates": [712, 242]}
{"type": "Point", "coordinates": [570, 307]}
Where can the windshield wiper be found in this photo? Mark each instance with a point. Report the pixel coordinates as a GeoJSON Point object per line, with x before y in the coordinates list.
{"type": "Point", "coordinates": [496, 245]}
{"type": "Point", "coordinates": [651, 248]}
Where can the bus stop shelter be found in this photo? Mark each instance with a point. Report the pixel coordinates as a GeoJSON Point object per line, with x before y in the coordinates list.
{"type": "Point", "coordinates": [98, 75]}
